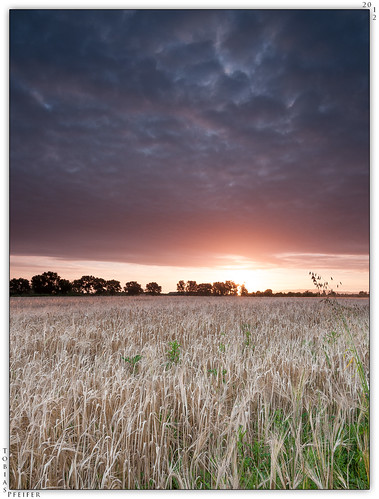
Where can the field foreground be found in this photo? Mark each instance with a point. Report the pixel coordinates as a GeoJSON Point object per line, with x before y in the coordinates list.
{"type": "Point", "coordinates": [188, 392]}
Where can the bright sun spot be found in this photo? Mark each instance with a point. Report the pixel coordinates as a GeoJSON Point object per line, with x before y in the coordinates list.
{"type": "Point", "coordinates": [252, 279]}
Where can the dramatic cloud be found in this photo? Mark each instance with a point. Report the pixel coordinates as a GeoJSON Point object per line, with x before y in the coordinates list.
{"type": "Point", "coordinates": [174, 137]}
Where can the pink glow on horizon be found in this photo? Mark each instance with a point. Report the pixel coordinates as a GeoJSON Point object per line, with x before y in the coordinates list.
{"type": "Point", "coordinates": [254, 276]}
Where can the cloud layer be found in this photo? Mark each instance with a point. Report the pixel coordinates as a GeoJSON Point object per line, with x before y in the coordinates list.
{"type": "Point", "coordinates": [173, 137]}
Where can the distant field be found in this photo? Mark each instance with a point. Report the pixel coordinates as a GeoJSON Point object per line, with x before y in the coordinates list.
{"type": "Point", "coordinates": [188, 392]}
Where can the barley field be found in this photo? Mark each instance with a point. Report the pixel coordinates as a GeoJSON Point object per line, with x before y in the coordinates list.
{"type": "Point", "coordinates": [189, 393]}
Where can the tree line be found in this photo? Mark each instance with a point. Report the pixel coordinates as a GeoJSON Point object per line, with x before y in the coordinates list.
{"type": "Point", "coordinates": [191, 288]}
{"type": "Point", "coordinates": [50, 283]}
{"type": "Point", "coordinates": [227, 288]}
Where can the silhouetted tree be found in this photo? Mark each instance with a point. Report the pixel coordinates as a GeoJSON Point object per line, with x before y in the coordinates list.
{"type": "Point", "coordinates": [231, 288]}
{"type": "Point", "coordinates": [228, 288]}
{"type": "Point", "coordinates": [77, 286]}
{"type": "Point", "coordinates": [113, 287]}
{"type": "Point", "coordinates": [133, 288]}
{"type": "Point", "coordinates": [218, 289]}
{"type": "Point", "coordinates": [46, 283]}
{"type": "Point", "coordinates": [268, 292]}
{"type": "Point", "coordinates": [89, 284]}
{"type": "Point", "coordinates": [85, 284]}
{"type": "Point", "coordinates": [181, 287]}
{"type": "Point", "coordinates": [243, 291]}
{"type": "Point", "coordinates": [152, 288]}
{"type": "Point", "coordinates": [204, 289]}
{"type": "Point", "coordinates": [191, 288]}
{"type": "Point", "coordinates": [19, 286]}
{"type": "Point", "coordinates": [64, 286]}
{"type": "Point", "coordinates": [99, 285]}
{"type": "Point", "coordinates": [39, 283]}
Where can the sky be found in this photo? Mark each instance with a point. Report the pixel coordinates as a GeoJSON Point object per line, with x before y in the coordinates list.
{"type": "Point", "coordinates": [159, 145]}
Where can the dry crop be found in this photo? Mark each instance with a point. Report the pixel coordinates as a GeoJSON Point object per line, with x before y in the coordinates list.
{"type": "Point", "coordinates": [188, 392]}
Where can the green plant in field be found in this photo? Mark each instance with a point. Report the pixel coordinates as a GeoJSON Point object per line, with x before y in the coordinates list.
{"type": "Point", "coordinates": [222, 347]}
{"type": "Point", "coordinates": [204, 480]}
{"type": "Point", "coordinates": [174, 352]}
{"type": "Point", "coordinates": [245, 328]}
{"type": "Point", "coordinates": [349, 459]}
{"type": "Point", "coordinates": [253, 461]}
{"type": "Point", "coordinates": [132, 361]}
{"type": "Point", "coordinates": [332, 337]}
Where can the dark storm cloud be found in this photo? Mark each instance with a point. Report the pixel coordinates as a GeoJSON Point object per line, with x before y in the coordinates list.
{"type": "Point", "coordinates": [173, 136]}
